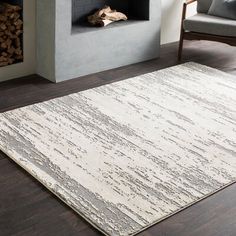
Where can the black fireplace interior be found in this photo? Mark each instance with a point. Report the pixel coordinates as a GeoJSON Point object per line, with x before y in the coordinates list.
{"type": "Point", "coordinates": [14, 2]}
{"type": "Point", "coordinates": [82, 8]}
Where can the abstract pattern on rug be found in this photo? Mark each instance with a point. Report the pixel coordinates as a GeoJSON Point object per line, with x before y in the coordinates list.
{"type": "Point", "coordinates": [126, 155]}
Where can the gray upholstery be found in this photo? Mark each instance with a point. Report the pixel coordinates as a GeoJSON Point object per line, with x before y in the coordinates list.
{"type": "Point", "coordinates": [223, 8]}
{"type": "Point", "coordinates": [203, 6]}
{"type": "Point", "coordinates": [203, 23]}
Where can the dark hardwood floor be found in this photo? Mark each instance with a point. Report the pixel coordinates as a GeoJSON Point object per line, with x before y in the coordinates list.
{"type": "Point", "coordinates": [28, 209]}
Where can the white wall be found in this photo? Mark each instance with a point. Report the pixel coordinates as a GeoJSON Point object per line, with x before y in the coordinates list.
{"type": "Point", "coordinates": [27, 67]}
{"type": "Point", "coordinates": [171, 18]}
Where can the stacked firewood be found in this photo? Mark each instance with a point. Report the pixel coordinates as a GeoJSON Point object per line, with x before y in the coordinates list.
{"type": "Point", "coordinates": [11, 30]}
{"type": "Point", "coordinates": [106, 16]}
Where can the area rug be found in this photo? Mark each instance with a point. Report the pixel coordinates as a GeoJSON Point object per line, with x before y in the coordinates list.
{"type": "Point", "coordinates": [127, 155]}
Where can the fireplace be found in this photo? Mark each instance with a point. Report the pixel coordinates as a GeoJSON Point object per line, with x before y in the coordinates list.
{"type": "Point", "coordinates": [67, 47]}
{"type": "Point", "coordinates": [11, 32]}
{"type": "Point", "coordinates": [82, 8]}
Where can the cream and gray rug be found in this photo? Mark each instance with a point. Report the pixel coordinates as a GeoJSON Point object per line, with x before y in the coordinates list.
{"type": "Point", "coordinates": [129, 154]}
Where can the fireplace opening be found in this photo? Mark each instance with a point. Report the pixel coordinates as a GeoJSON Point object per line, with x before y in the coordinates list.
{"type": "Point", "coordinates": [11, 32]}
{"type": "Point", "coordinates": [81, 9]}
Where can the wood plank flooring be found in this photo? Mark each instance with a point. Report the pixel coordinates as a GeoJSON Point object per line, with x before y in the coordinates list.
{"type": "Point", "coordinates": [28, 209]}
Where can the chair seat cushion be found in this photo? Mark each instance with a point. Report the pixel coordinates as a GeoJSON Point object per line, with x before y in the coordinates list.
{"type": "Point", "coordinates": [203, 23]}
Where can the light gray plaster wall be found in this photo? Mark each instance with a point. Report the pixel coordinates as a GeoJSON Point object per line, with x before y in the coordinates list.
{"type": "Point", "coordinates": [45, 38]}
{"type": "Point", "coordinates": [68, 55]}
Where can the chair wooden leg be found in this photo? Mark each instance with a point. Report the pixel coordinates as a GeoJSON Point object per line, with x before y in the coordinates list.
{"type": "Point", "coordinates": [181, 42]}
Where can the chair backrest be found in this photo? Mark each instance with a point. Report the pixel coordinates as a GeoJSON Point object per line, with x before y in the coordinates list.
{"type": "Point", "coordinates": [203, 5]}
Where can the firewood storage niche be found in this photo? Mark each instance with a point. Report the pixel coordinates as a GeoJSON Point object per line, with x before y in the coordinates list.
{"type": "Point", "coordinates": [11, 32]}
{"type": "Point", "coordinates": [136, 11]}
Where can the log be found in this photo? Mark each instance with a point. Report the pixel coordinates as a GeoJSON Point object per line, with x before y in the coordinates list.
{"type": "Point", "coordinates": [2, 8]}
{"type": "Point", "coordinates": [114, 16]}
{"type": "Point", "coordinates": [104, 23]}
{"type": "Point", "coordinates": [106, 16]}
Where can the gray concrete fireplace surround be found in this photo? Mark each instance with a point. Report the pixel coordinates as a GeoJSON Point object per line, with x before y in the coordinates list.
{"type": "Point", "coordinates": [67, 47]}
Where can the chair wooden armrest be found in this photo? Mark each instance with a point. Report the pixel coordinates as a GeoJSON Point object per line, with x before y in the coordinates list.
{"type": "Point", "coordinates": [187, 2]}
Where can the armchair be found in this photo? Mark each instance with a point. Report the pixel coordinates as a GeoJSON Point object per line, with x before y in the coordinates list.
{"type": "Point", "coordinates": [203, 26]}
